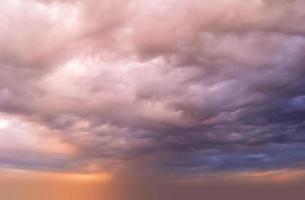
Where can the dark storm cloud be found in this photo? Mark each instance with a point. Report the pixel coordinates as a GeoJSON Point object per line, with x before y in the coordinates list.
{"type": "Point", "coordinates": [195, 86]}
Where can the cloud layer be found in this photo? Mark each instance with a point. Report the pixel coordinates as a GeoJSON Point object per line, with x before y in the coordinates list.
{"type": "Point", "coordinates": [191, 86]}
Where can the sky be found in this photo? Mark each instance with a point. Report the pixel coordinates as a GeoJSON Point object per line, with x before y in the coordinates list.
{"type": "Point", "coordinates": [163, 99]}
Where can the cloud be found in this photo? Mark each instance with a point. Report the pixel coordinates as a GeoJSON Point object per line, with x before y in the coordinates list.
{"type": "Point", "coordinates": [195, 86]}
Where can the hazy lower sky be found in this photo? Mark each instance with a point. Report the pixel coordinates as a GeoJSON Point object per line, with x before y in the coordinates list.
{"type": "Point", "coordinates": [152, 99]}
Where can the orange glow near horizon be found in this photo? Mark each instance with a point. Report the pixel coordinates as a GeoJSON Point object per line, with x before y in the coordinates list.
{"type": "Point", "coordinates": [275, 176]}
{"type": "Point", "coordinates": [33, 185]}
{"type": "Point", "coordinates": [55, 176]}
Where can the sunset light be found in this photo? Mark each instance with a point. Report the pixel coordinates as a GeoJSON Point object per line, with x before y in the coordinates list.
{"type": "Point", "coordinates": [152, 99]}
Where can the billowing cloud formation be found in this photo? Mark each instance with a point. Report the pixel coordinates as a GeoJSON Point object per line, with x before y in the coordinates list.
{"type": "Point", "coordinates": [191, 86]}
